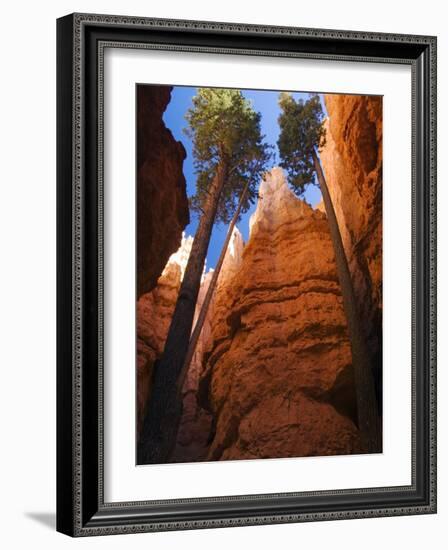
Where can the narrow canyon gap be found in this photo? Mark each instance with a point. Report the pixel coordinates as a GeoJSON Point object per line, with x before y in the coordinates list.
{"type": "Point", "coordinates": [272, 375]}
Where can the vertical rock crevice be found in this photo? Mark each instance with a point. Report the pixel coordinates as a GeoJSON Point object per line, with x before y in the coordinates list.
{"type": "Point", "coordinates": [162, 214]}
{"type": "Point", "coordinates": [154, 312]}
{"type": "Point", "coordinates": [352, 161]}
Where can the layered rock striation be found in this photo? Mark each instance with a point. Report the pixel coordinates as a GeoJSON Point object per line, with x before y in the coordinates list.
{"type": "Point", "coordinates": [162, 203]}
{"type": "Point", "coordinates": [154, 312]}
{"type": "Point", "coordinates": [352, 162]}
{"type": "Point", "coordinates": [272, 374]}
{"type": "Point", "coordinates": [196, 425]}
{"type": "Point", "coordinates": [278, 376]}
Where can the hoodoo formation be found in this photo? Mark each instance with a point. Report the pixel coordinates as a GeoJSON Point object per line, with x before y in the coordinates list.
{"type": "Point", "coordinates": [279, 368]}
{"type": "Point", "coordinates": [272, 374]}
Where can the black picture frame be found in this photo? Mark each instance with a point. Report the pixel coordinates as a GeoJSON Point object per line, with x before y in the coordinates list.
{"type": "Point", "coordinates": [81, 510]}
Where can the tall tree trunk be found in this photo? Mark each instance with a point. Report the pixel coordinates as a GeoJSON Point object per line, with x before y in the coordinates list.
{"type": "Point", "coordinates": [164, 407]}
{"type": "Point", "coordinates": [368, 418]}
{"type": "Point", "coordinates": [208, 297]}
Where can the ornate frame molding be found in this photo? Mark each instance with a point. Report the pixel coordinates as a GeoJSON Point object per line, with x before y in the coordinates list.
{"type": "Point", "coordinates": [81, 42]}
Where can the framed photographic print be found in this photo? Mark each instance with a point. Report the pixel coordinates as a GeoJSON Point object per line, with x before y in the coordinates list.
{"type": "Point", "coordinates": [246, 274]}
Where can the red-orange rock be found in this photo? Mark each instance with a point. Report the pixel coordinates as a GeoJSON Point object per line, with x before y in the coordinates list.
{"type": "Point", "coordinates": [274, 365]}
{"type": "Point", "coordinates": [194, 429]}
{"type": "Point", "coordinates": [278, 376]}
{"type": "Point", "coordinates": [352, 162]}
{"type": "Point", "coordinates": [162, 203]}
{"type": "Point", "coordinates": [154, 313]}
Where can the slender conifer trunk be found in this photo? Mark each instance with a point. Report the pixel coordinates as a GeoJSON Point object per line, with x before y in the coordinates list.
{"type": "Point", "coordinates": [211, 288]}
{"type": "Point", "coordinates": [368, 418]}
{"type": "Point", "coordinates": [164, 408]}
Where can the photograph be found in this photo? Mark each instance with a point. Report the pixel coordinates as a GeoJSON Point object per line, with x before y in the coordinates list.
{"type": "Point", "coordinates": [259, 253]}
{"type": "Point", "coordinates": [246, 273]}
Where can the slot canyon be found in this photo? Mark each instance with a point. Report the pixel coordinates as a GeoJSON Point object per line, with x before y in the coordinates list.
{"type": "Point", "coordinates": [272, 373]}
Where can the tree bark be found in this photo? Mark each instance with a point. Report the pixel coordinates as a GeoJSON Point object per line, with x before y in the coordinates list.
{"type": "Point", "coordinates": [208, 297]}
{"type": "Point", "coordinates": [368, 418]}
{"type": "Point", "coordinates": [164, 407]}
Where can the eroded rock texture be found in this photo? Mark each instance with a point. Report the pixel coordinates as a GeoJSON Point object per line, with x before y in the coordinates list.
{"type": "Point", "coordinates": [162, 204]}
{"type": "Point", "coordinates": [195, 425]}
{"type": "Point", "coordinates": [272, 373]}
{"type": "Point", "coordinates": [196, 428]}
{"type": "Point", "coordinates": [154, 312]}
{"type": "Point", "coordinates": [278, 375]}
{"type": "Point", "coordinates": [352, 162]}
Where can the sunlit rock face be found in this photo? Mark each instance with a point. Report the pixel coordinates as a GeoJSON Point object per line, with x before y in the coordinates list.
{"type": "Point", "coordinates": [278, 375]}
{"type": "Point", "coordinates": [196, 424]}
{"type": "Point", "coordinates": [272, 373]}
{"type": "Point", "coordinates": [154, 312]}
{"type": "Point", "coordinates": [352, 162]}
{"type": "Point", "coordinates": [162, 203]}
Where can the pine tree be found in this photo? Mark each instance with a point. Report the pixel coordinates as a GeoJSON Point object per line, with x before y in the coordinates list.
{"type": "Point", "coordinates": [211, 288]}
{"type": "Point", "coordinates": [229, 153]}
{"type": "Point", "coordinates": [301, 135]}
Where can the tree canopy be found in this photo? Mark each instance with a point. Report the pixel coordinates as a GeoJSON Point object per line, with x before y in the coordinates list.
{"type": "Point", "coordinates": [224, 128]}
{"type": "Point", "coordinates": [301, 130]}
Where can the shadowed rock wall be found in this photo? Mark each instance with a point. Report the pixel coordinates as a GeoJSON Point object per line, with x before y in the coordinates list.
{"type": "Point", "coordinates": [352, 161]}
{"type": "Point", "coordinates": [162, 203]}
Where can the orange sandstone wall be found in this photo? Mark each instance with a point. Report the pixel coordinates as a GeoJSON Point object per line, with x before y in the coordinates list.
{"type": "Point", "coordinates": [272, 375]}
{"type": "Point", "coordinates": [278, 376]}
{"type": "Point", "coordinates": [352, 160]}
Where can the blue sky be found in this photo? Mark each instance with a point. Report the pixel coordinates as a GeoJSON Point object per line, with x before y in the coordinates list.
{"type": "Point", "coordinates": [266, 102]}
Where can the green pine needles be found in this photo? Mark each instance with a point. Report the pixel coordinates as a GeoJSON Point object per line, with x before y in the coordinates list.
{"type": "Point", "coordinates": [226, 130]}
{"type": "Point", "coordinates": [301, 131]}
